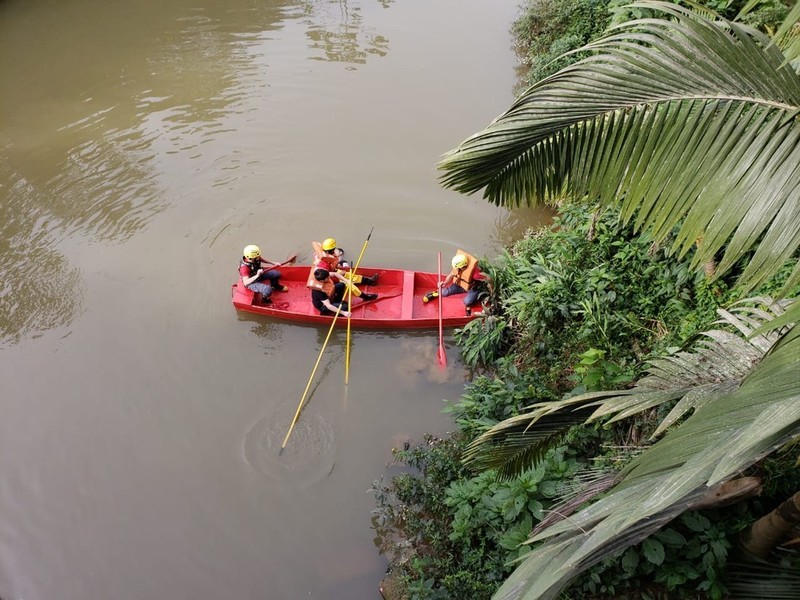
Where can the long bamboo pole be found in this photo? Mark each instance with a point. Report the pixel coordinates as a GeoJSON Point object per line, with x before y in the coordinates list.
{"type": "Point", "coordinates": [347, 344]}
{"type": "Point", "coordinates": [319, 358]}
{"type": "Point", "coordinates": [310, 379]}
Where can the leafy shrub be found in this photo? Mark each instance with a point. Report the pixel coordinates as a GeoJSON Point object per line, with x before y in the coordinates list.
{"type": "Point", "coordinates": [490, 399]}
{"type": "Point", "coordinates": [464, 528]}
{"type": "Point", "coordinates": [686, 559]}
{"type": "Point", "coordinates": [588, 282]}
{"type": "Point", "coordinates": [548, 28]}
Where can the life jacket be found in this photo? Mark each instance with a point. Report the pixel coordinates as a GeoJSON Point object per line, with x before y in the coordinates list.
{"type": "Point", "coordinates": [326, 286]}
{"type": "Point", "coordinates": [326, 261]}
{"type": "Point", "coordinates": [253, 267]}
{"type": "Point", "coordinates": [463, 277]}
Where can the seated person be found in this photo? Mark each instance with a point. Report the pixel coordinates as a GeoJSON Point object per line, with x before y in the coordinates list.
{"type": "Point", "coordinates": [462, 279]}
{"type": "Point", "coordinates": [254, 273]}
{"type": "Point", "coordinates": [327, 256]}
{"type": "Point", "coordinates": [327, 296]}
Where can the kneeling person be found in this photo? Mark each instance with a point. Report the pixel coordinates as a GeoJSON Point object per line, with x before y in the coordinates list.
{"type": "Point", "coordinates": [331, 258]}
{"type": "Point", "coordinates": [327, 296]}
{"type": "Point", "coordinates": [462, 279]}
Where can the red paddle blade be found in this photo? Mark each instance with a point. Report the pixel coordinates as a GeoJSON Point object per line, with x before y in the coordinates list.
{"type": "Point", "coordinates": [442, 356]}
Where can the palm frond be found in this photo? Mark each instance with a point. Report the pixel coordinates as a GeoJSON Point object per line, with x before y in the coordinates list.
{"type": "Point", "coordinates": [714, 443]}
{"type": "Point", "coordinates": [513, 446]}
{"type": "Point", "coordinates": [765, 581]}
{"type": "Point", "coordinates": [710, 372]}
{"type": "Point", "coordinates": [788, 34]}
{"type": "Point", "coordinates": [692, 123]}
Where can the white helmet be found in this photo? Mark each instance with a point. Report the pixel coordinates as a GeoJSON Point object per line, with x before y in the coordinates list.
{"type": "Point", "coordinates": [459, 261]}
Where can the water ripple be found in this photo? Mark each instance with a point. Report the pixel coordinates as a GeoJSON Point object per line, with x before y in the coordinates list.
{"type": "Point", "coordinates": [309, 455]}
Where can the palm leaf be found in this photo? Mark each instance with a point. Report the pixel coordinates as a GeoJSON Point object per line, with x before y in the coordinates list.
{"type": "Point", "coordinates": [788, 34]}
{"type": "Point", "coordinates": [765, 581]}
{"type": "Point", "coordinates": [710, 372]}
{"type": "Point", "coordinates": [513, 446]}
{"type": "Point", "coordinates": [718, 440]}
{"type": "Point", "coordinates": [692, 123]}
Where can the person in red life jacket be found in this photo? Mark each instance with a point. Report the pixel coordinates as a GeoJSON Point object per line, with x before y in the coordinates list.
{"type": "Point", "coordinates": [327, 256]}
{"type": "Point", "coordinates": [462, 279]}
{"type": "Point", "coordinates": [257, 276]}
{"type": "Point", "coordinates": [327, 296]}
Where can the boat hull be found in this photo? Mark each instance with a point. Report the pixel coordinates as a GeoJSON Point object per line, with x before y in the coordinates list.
{"type": "Point", "coordinates": [399, 304]}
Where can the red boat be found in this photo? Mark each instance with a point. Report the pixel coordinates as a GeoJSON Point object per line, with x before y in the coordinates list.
{"type": "Point", "coordinates": [399, 304]}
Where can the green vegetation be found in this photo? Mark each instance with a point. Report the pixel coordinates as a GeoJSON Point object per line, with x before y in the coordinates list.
{"type": "Point", "coordinates": [548, 29]}
{"type": "Point", "coordinates": [618, 441]}
{"type": "Point", "coordinates": [467, 526]}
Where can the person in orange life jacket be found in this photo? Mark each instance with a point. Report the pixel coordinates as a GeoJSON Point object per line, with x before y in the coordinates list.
{"type": "Point", "coordinates": [327, 296]}
{"type": "Point", "coordinates": [254, 274]}
{"type": "Point", "coordinates": [329, 257]}
{"type": "Point", "coordinates": [461, 280]}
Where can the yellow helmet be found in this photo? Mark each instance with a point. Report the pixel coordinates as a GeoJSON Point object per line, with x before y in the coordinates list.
{"type": "Point", "coordinates": [251, 251]}
{"type": "Point", "coordinates": [329, 244]}
{"type": "Point", "coordinates": [459, 261]}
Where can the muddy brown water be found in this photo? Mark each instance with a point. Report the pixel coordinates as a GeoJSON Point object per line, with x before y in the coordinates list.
{"type": "Point", "coordinates": [142, 144]}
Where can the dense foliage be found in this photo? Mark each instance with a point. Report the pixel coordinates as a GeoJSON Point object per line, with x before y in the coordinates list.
{"type": "Point", "coordinates": [581, 307]}
{"type": "Point", "coordinates": [547, 29]}
{"type": "Point", "coordinates": [464, 528]}
{"type": "Point", "coordinates": [588, 293]}
{"type": "Point", "coordinates": [564, 303]}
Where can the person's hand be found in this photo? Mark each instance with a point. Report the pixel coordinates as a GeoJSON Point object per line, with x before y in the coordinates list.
{"type": "Point", "coordinates": [346, 313]}
{"type": "Point", "coordinates": [440, 284]}
{"type": "Point", "coordinates": [260, 271]}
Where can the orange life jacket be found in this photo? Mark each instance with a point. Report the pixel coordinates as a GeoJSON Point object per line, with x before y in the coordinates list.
{"type": "Point", "coordinates": [463, 277]}
{"type": "Point", "coordinates": [326, 286]}
{"type": "Point", "coordinates": [323, 260]}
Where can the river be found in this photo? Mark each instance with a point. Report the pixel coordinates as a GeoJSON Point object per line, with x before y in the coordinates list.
{"type": "Point", "coordinates": [142, 145]}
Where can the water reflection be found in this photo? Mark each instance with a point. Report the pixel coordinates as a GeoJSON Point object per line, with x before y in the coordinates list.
{"type": "Point", "coordinates": [420, 362]}
{"type": "Point", "coordinates": [40, 290]}
{"type": "Point", "coordinates": [513, 224]}
{"type": "Point", "coordinates": [337, 29]}
{"type": "Point", "coordinates": [266, 329]}
{"type": "Point", "coordinates": [91, 122]}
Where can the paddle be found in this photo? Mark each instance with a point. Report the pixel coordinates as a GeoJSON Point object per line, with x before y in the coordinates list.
{"type": "Point", "coordinates": [291, 259]}
{"type": "Point", "coordinates": [349, 297]}
{"type": "Point", "coordinates": [441, 354]}
{"type": "Point", "coordinates": [310, 379]}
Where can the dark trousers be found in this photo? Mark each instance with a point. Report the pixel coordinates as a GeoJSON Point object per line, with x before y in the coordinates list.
{"type": "Point", "coordinates": [338, 295]}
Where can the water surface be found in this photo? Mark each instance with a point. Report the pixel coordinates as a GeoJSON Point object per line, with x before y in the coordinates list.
{"type": "Point", "coordinates": [142, 145]}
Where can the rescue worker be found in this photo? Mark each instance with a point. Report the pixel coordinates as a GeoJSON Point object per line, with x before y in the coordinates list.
{"type": "Point", "coordinates": [462, 279]}
{"type": "Point", "coordinates": [327, 296]}
{"type": "Point", "coordinates": [256, 276]}
{"type": "Point", "coordinates": [329, 257]}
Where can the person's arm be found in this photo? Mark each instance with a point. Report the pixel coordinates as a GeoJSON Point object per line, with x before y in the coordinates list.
{"type": "Point", "coordinates": [247, 280]}
{"type": "Point", "coordinates": [447, 280]}
{"type": "Point", "coordinates": [478, 275]}
{"type": "Point", "coordinates": [339, 254]}
{"type": "Point", "coordinates": [332, 308]}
